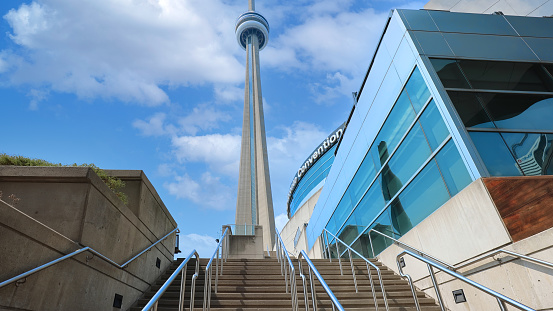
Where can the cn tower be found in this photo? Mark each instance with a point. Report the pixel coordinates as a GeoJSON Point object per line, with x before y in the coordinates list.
{"type": "Point", "coordinates": [255, 201]}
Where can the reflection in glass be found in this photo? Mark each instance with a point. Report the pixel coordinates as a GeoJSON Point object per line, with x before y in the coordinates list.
{"type": "Point", "coordinates": [342, 210]}
{"type": "Point", "coordinates": [421, 198]}
{"type": "Point", "coordinates": [493, 151]}
{"type": "Point", "coordinates": [412, 153]}
{"type": "Point", "coordinates": [394, 128]}
{"type": "Point", "coordinates": [433, 125]}
{"type": "Point", "coordinates": [350, 231]}
{"type": "Point", "coordinates": [384, 225]}
{"type": "Point", "coordinates": [470, 110]}
{"type": "Point", "coordinates": [431, 43]}
{"type": "Point", "coordinates": [449, 73]}
{"type": "Point", "coordinates": [490, 47]}
{"type": "Point", "coordinates": [417, 90]}
{"type": "Point", "coordinates": [364, 175]}
{"type": "Point", "coordinates": [520, 111]}
{"type": "Point", "coordinates": [532, 152]}
{"type": "Point", "coordinates": [494, 75]}
{"type": "Point", "coordinates": [418, 20]}
{"type": "Point", "coordinates": [472, 23]}
{"type": "Point", "coordinates": [452, 168]}
{"type": "Point", "coordinates": [368, 208]}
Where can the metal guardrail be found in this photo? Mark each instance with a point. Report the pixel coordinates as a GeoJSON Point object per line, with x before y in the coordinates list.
{"type": "Point", "coordinates": [222, 247]}
{"type": "Point", "coordinates": [421, 253]}
{"type": "Point", "coordinates": [367, 263]}
{"type": "Point", "coordinates": [501, 299]}
{"type": "Point", "coordinates": [85, 249]}
{"type": "Point", "coordinates": [282, 254]}
{"type": "Point", "coordinates": [152, 304]}
{"type": "Point", "coordinates": [312, 270]}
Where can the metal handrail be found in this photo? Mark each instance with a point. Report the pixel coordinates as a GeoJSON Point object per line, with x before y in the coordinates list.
{"type": "Point", "coordinates": [501, 299]}
{"type": "Point", "coordinates": [223, 248]}
{"type": "Point", "coordinates": [85, 249]}
{"type": "Point", "coordinates": [282, 253]}
{"type": "Point", "coordinates": [421, 253]}
{"type": "Point", "coordinates": [312, 270]}
{"type": "Point", "coordinates": [152, 304]}
{"type": "Point", "coordinates": [368, 263]}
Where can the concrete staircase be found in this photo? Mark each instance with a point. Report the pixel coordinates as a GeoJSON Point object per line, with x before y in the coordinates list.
{"type": "Point", "coordinates": [257, 285]}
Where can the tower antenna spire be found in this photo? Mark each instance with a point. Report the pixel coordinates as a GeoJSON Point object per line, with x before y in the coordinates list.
{"type": "Point", "coordinates": [254, 205]}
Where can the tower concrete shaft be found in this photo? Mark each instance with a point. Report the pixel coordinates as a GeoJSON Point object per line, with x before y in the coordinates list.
{"type": "Point", "coordinates": [255, 202]}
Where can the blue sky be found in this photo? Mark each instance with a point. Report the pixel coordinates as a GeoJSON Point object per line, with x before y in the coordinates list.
{"type": "Point", "coordinates": [157, 85]}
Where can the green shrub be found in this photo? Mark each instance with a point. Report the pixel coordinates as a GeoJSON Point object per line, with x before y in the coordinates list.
{"type": "Point", "coordinates": [113, 183]}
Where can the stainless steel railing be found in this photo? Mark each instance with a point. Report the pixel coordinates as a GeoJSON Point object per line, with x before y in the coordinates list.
{"type": "Point", "coordinates": [287, 268]}
{"type": "Point", "coordinates": [313, 271]}
{"type": "Point", "coordinates": [222, 248]}
{"type": "Point", "coordinates": [152, 304]}
{"type": "Point", "coordinates": [398, 242]}
{"type": "Point", "coordinates": [368, 263]}
{"type": "Point", "coordinates": [501, 299]}
{"type": "Point", "coordinates": [85, 249]}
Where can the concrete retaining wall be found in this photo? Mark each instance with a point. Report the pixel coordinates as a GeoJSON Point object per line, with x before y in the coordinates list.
{"type": "Point", "coordinates": [62, 209]}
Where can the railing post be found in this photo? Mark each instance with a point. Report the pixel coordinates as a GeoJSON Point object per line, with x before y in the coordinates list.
{"type": "Point", "coordinates": [182, 287]}
{"type": "Point", "coordinates": [436, 288]}
{"type": "Point", "coordinates": [502, 306]}
{"type": "Point", "coordinates": [372, 286]}
{"type": "Point", "coordinates": [339, 257]}
{"type": "Point", "coordinates": [353, 271]}
{"type": "Point", "coordinates": [313, 290]}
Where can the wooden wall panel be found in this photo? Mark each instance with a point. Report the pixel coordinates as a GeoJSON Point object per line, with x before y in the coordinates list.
{"type": "Point", "coordinates": [524, 203]}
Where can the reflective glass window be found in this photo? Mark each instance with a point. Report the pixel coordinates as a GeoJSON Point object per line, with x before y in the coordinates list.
{"type": "Point", "coordinates": [535, 27]}
{"type": "Point", "coordinates": [520, 111]}
{"type": "Point", "coordinates": [349, 231]}
{"type": "Point", "coordinates": [433, 125]}
{"type": "Point", "coordinates": [493, 75]}
{"type": "Point", "coordinates": [449, 73]}
{"type": "Point", "coordinates": [406, 161]}
{"type": "Point", "coordinates": [542, 47]}
{"type": "Point", "coordinates": [490, 47]}
{"type": "Point", "coordinates": [452, 168]}
{"type": "Point", "coordinates": [472, 23]}
{"type": "Point", "coordinates": [418, 20]}
{"type": "Point", "coordinates": [394, 128]}
{"type": "Point", "coordinates": [421, 198]}
{"type": "Point", "coordinates": [342, 210]}
{"type": "Point", "coordinates": [417, 90]}
{"type": "Point", "coordinates": [370, 206]}
{"type": "Point", "coordinates": [470, 110]}
{"type": "Point", "coordinates": [384, 225]}
{"type": "Point", "coordinates": [360, 182]}
{"type": "Point", "coordinates": [362, 246]}
{"type": "Point", "coordinates": [532, 152]}
{"type": "Point", "coordinates": [431, 43]}
{"type": "Point", "coordinates": [495, 154]}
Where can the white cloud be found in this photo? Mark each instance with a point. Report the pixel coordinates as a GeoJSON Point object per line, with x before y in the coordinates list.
{"type": "Point", "coordinates": [123, 49]}
{"type": "Point", "coordinates": [203, 244]}
{"type": "Point", "coordinates": [280, 222]}
{"type": "Point", "coordinates": [203, 117]}
{"type": "Point", "coordinates": [220, 152]}
{"type": "Point", "coordinates": [153, 127]}
{"type": "Point", "coordinates": [208, 191]}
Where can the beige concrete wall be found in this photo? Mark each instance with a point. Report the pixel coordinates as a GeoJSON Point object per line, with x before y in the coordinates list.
{"type": "Point", "coordinates": [301, 217]}
{"type": "Point", "coordinates": [464, 228]}
{"type": "Point", "coordinates": [247, 246]}
{"type": "Point", "coordinates": [64, 209]}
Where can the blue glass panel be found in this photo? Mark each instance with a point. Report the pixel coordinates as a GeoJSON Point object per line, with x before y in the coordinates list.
{"type": "Point", "coordinates": [433, 125]}
{"type": "Point", "coordinates": [382, 224]}
{"type": "Point", "coordinates": [495, 154]}
{"type": "Point", "coordinates": [453, 169]}
{"type": "Point", "coordinates": [362, 246]}
{"type": "Point", "coordinates": [489, 47]}
{"type": "Point", "coordinates": [449, 72]}
{"type": "Point", "coordinates": [417, 90]}
{"type": "Point", "coordinates": [421, 198]}
{"type": "Point", "coordinates": [418, 20]}
{"type": "Point", "coordinates": [494, 75]}
{"type": "Point", "coordinates": [472, 23]}
{"type": "Point", "coordinates": [370, 206]}
{"type": "Point", "coordinates": [542, 47]}
{"type": "Point", "coordinates": [519, 111]}
{"type": "Point", "coordinates": [470, 110]}
{"type": "Point", "coordinates": [393, 129]}
{"type": "Point", "coordinates": [431, 43]}
{"type": "Point", "coordinates": [532, 26]}
{"type": "Point", "coordinates": [360, 182]}
{"type": "Point", "coordinates": [406, 161]}
{"type": "Point", "coordinates": [342, 210]}
{"type": "Point", "coordinates": [404, 60]}
{"type": "Point", "coordinates": [533, 152]}
{"type": "Point", "coordinates": [349, 231]}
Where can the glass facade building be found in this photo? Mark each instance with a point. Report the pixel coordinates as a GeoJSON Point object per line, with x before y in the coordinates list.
{"type": "Point", "coordinates": [448, 98]}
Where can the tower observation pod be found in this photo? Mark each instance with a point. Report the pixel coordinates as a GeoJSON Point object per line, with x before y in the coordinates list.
{"type": "Point", "coordinates": [255, 201]}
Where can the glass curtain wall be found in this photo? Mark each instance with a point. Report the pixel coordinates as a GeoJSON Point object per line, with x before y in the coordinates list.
{"type": "Point", "coordinates": [410, 170]}
{"type": "Point", "coordinates": [507, 108]}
